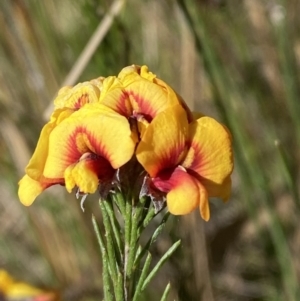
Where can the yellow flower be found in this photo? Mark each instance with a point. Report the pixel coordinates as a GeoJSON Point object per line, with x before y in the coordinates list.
{"type": "Point", "coordinates": [68, 101]}
{"type": "Point", "coordinates": [76, 97]}
{"type": "Point", "coordinates": [11, 289]}
{"type": "Point", "coordinates": [190, 162]}
{"type": "Point", "coordinates": [81, 148]}
{"type": "Point", "coordinates": [137, 92]}
{"type": "Point", "coordinates": [96, 125]}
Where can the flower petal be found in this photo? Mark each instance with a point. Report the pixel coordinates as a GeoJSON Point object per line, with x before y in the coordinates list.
{"type": "Point", "coordinates": [182, 190]}
{"type": "Point", "coordinates": [163, 143]}
{"type": "Point", "coordinates": [94, 128]}
{"type": "Point", "coordinates": [148, 95]}
{"type": "Point", "coordinates": [69, 179]}
{"type": "Point", "coordinates": [203, 202]}
{"type": "Point", "coordinates": [87, 173]}
{"type": "Point", "coordinates": [37, 162]}
{"type": "Point", "coordinates": [115, 97]}
{"type": "Point", "coordinates": [85, 177]}
{"type": "Point", "coordinates": [77, 96]}
{"type": "Point", "coordinates": [221, 191]}
{"type": "Point", "coordinates": [29, 189]}
{"type": "Point", "coordinates": [12, 289]}
{"type": "Point", "coordinates": [209, 157]}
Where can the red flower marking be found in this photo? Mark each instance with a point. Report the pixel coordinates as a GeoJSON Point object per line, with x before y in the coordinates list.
{"type": "Point", "coordinates": [100, 166]}
{"type": "Point", "coordinates": [82, 100]}
{"type": "Point", "coordinates": [122, 104]}
{"type": "Point", "coordinates": [144, 106]}
{"type": "Point", "coordinates": [77, 145]}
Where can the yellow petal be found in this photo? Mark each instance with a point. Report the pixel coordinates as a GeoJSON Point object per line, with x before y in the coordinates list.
{"type": "Point", "coordinates": [148, 95]}
{"type": "Point", "coordinates": [129, 70]}
{"type": "Point", "coordinates": [94, 128]}
{"type": "Point", "coordinates": [98, 82]}
{"type": "Point", "coordinates": [142, 125]}
{"type": "Point", "coordinates": [77, 96]}
{"type": "Point", "coordinates": [69, 179]}
{"type": "Point", "coordinates": [85, 178]}
{"type": "Point", "coordinates": [34, 182]}
{"type": "Point", "coordinates": [175, 97]}
{"type": "Point", "coordinates": [210, 154]}
{"type": "Point", "coordinates": [203, 202]}
{"type": "Point", "coordinates": [37, 162]}
{"type": "Point", "coordinates": [16, 290]}
{"type": "Point", "coordinates": [23, 290]}
{"type": "Point", "coordinates": [221, 191]}
{"type": "Point", "coordinates": [163, 143]}
{"type": "Point", "coordinates": [6, 281]}
{"type": "Point", "coordinates": [88, 172]}
{"type": "Point", "coordinates": [183, 196]}
{"type": "Point", "coordinates": [29, 189]}
{"type": "Point", "coordinates": [145, 73]}
{"type": "Point", "coordinates": [114, 96]}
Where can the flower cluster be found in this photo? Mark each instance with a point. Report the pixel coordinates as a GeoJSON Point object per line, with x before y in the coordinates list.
{"type": "Point", "coordinates": [97, 127]}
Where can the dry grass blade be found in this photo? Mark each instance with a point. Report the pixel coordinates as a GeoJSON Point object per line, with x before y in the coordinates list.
{"type": "Point", "coordinates": [16, 144]}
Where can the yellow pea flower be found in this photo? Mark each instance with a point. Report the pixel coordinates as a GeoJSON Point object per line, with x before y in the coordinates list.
{"type": "Point", "coordinates": [83, 149]}
{"type": "Point", "coordinates": [187, 155]}
{"type": "Point", "coordinates": [12, 289]}
{"type": "Point", "coordinates": [137, 92]}
{"type": "Point", "coordinates": [190, 162]}
{"type": "Point", "coordinates": [69, 100]}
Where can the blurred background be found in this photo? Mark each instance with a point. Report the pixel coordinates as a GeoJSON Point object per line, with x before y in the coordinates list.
{"type": "Point", "coordinates": [235, 60]}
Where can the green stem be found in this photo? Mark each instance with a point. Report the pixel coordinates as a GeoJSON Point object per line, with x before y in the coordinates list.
{"type": "Point", "coordinates": [112, 262]}
{"type": "Point", "coordinates": [105, 270]}
{"type": "Point", "coordinates": [124, 278]}
{"type": "Point", "coordinates": [116, 229]}
{"type": "Point", "coordinates": [136, 215]}
{"type": "Point", "coordinates": [127, 228]}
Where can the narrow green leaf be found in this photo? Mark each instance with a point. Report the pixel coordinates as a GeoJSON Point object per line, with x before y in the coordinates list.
{"type": "Point", "coordinates": [138, 252]}
{"type": "Point", "coordinates": [152, 239]}
{"type": "Point", "coordinates": [165, 257]}
{"type": "Point", "coordinates": [119, 288]}
{"type": "Point", "coordinates": [144, 273]}
{"type": "Point", "coordinates": [109, 241]}
{"type": "Point", "coordinates": [120, 202]}
{"type": "Point", "coordinates": [166, 292]}
{"type": "Point", "coordinates": [105, 272]}
{"type": "Point", "coordinates": [127, 220]}
{"type": "Point", "coordinates": [111, 252]}
{"type": "Point", "coordinates": [116, 230]}
{"type": "Point", "coordinates": [149, 216]}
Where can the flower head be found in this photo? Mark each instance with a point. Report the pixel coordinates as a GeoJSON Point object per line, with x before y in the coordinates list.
{"type": "Point", "coordinates": [98, 126]}
{"type": "Point", "coordinates": [188, 161]}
